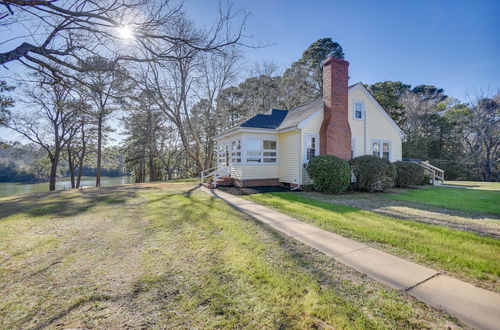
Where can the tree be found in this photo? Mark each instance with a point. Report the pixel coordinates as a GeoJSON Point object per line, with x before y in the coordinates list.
{"type": "Point", "coordinates": [173, 81]}
{"type": "Point", "coordinates": [388, 94]}
{"type": "Point", "coordinates": [52, 124]}
{"type": "Point", "coordinates": [6, 102]}
{"type": "Point", "coordinates": [303, 80]}
{"type": "Point", "coordinates": [106, 83]}
{"type": "Point", "coordinates": [67, 32]}
{"type": "Point", "coordinates": [478, 124]}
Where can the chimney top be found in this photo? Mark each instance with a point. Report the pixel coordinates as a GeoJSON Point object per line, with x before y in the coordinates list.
{"type": "Point", "coordinates": [334, 59]}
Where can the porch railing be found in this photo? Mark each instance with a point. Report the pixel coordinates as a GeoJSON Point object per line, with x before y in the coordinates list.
{"type": "Point", "coordinates": [214, 173]}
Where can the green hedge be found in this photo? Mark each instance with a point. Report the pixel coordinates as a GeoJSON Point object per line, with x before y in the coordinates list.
{"type": "Point", "coordinates": [372, 173]}
{"type": "Point", "coordinates": [329, 173]}
{"type": "Point", "coordinates": [408, 174]}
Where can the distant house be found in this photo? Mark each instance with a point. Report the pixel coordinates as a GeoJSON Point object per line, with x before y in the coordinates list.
{"type": "Point", "coordinates": [273, 148]}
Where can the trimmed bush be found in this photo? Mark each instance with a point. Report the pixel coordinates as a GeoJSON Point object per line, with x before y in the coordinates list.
{"type": "Point", "coordinates": [372, 173]}
{"type": "Point", "coordinates": [426, 179]}
{"type": "Point", "coordinates": [408, 174]}
{"type": "Point", "coordinates": [329, 173]}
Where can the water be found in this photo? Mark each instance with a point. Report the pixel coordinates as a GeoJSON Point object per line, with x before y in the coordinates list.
{"type": "Point", "coordinates": [10, 188]}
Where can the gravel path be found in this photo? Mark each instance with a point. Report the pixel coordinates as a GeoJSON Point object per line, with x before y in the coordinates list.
{"type": "Point", "coordinates": [481, 223]}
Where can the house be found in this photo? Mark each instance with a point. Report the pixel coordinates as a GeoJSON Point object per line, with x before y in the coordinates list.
{"type": "Point", "coordinates": [273, 148]}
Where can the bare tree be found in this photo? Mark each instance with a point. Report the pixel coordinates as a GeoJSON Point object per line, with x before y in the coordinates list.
{"type": "Point", "coordinates": [105, 85]}
{"type": "Point", "coordinates": [66, 32]}
{"type": "Point", "coordinates": [52, 125]}
{"type": "Point", "coordinates": [480, 129]}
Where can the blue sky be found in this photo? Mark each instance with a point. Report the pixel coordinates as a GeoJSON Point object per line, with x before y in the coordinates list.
{"type": "Point", "coordinates": [454, 45]}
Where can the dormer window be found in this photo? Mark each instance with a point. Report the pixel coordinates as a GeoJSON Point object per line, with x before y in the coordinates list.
{"type": "Point", "coordinates": [358, 110]}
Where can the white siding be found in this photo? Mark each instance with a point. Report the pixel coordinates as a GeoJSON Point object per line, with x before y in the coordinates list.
{"type": "Point", "coordinates": [377, 126]}
{"type": "Point", "coordinates": [289, 157]}
{"type": "Point", "coordinates": [312, 126]}
{"type": "Point", "coordinates": [254, 171]}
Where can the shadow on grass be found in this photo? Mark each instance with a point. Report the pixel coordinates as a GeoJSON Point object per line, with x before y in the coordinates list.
{"type": "Point", "coordinates": [379, 203]}
{"type": "Point", "coordinates": [67, 203]}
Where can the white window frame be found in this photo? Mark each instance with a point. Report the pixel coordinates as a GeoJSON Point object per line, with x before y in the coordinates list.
{"type": "Point", "coordinates": [316, 147]}
{"type": "Point", "coordinates": [381, 147]}
{"type": "Point", "coordinates": [362, 109]}
{"type": "Point", "coordinates": [261, 150]}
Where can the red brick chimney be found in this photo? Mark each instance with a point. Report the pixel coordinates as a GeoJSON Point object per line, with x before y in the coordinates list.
{"type": "Point", "coordinates": [335, 132]}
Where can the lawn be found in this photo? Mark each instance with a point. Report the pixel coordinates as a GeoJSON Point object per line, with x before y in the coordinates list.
{"type": "Point", "coordinates": [454, 198]}
{"type": "Point", "coordinates": [166, 256]}
{"type": "Point", "coordinates": [467, 255]}
{"type": "Point", "coordinates": [475, 185]}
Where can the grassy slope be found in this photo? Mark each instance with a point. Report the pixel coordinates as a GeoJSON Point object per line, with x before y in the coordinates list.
{"type": "Point", "coordinates": [157, 255]}
{"type": "Point", "coordinates": [465, 254]}
{"type": "Point", "coordinates": [454, 198]}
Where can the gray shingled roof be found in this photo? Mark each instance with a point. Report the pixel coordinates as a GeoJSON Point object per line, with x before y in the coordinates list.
{"type": "Point", "coordinates": [301, 112]}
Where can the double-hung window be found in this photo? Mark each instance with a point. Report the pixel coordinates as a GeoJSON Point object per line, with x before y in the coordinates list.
{"type": "Point", "coordinates": [358, 110]}
{"type": "Point", "coordinates": [381, 149]}
{"type": "Point", "coordinates": [386, 150]}
{"type": "Point", "coordinates": [312, 146]}
{"type": "Point", "coordinates": [376, 148]}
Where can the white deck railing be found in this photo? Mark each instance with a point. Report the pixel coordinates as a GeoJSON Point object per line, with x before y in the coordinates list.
{"type": "Point", "coordinates": [215, 173]}
{"type": "Point", "coordinates": [434, 172]}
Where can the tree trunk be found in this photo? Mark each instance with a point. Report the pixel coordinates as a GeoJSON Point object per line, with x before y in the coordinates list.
{"type": "Point", "coordinates": [99, 152]}
{"type": "Point", "coordinates": [53, 171]}
{"type": "Point", "coordinates": [71, 165]}
{"type": "Point", "coordinates": [152, 170]}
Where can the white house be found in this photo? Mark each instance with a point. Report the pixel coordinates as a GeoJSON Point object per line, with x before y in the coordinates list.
{"type": "Point", "coordinates": [273, 148]}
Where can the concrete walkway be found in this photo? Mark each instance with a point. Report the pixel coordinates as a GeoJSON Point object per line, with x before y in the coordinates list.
{"type": "Point", "coordinates": [474, 306]}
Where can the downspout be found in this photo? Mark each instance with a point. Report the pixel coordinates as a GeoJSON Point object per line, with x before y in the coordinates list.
{"type": "Point", "coordinates": [301, 165]}
{"type": "Point", "coordinates": [364, 130]}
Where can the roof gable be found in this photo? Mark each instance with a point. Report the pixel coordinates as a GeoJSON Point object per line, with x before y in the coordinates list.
{"type": "Point", "coordinates": [370, 96]}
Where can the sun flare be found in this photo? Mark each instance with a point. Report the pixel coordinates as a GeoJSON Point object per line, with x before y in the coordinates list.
{"type": "Point", "coordinates": [124, 32]}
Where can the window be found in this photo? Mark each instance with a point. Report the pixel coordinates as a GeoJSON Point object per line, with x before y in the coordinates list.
{"type": "Point", "coordinates": [312, 146]}
{"type": "Point", "coordinates": [376, 148]}
{"type": "Point", "coordinates": [236, 151]}
{"type": "Point", "coordinates": [385, 150]}
{"type": "Point", "coordinates": [353, 147]}
{"type": "Point", "coordinates": [269, 156]}
{"type": "Point", "coordinates": [381, 149]}
{"type": "Point", "coordinates": [358, 110]}
{"type": "Point", "coordinates": [261, 151]}
{"type": "Point", "coordinates": [253, 151]}
{"type": "Point", "coordinates": [221, 154]}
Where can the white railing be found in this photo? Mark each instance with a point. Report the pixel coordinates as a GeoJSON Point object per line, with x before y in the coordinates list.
{"type": "Point", "coordinates": [434, 172]}
{"type": "Point", "coordinates": [215, 173]}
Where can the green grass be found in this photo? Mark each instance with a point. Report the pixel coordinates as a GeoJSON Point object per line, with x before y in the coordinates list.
{"type": "Point", "coordinates": [458, 252]}
{"type": "Point", "coordinates": [454, 198]}
{"type": "Point", "coordinates": [163, 256]}
{"type": "Point", "coordinates": [475, 185]}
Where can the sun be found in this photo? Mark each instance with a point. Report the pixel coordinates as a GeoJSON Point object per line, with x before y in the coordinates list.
{"type": "Point", "coordinates": [124, 32]}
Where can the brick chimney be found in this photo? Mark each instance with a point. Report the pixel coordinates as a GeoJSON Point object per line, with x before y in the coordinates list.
{"type": "Point", "coordinates": [335, 132]}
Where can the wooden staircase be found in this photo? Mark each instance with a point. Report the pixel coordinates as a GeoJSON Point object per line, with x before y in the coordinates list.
{"type": "Point", "coordinates": [216, 176]}
{"type": "Point", "coordinates": [436, 174]}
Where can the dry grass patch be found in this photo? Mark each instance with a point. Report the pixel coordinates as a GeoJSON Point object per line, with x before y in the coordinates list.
{"type": "Point", "coordinates": [160, 255]}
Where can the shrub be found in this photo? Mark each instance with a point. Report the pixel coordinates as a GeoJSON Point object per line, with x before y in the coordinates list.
{"type": "Point", "coordinates": [408, 174]}
{"type": "Point", "coordinates": [426, 179]}
{"type": "Point", "coordinates": [372, 173]}
{"type": "Point", "coordinates": [329, 173]}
